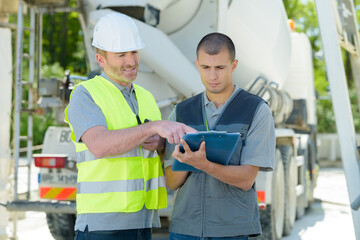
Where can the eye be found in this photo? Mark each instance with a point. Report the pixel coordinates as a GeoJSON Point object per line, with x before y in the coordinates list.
{"type": "Point", "coordinates": [135, 52]}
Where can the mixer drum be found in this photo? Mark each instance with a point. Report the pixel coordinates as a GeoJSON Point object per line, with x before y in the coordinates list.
{"type": "Point", "coordinates": [262, 40]}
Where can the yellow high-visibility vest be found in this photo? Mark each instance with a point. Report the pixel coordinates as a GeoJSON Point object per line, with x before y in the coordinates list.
{"type": "Point", "coordinates": [123, 183]}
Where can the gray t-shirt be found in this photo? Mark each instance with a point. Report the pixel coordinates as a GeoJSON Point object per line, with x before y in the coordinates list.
{"type": "Point", "coordinates": [83, 114]}
{"type": "Point", "coordinates": [260, 141]}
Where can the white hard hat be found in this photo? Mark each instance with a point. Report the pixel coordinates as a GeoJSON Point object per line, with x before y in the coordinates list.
{"type": "Point", "coordinates": [116, 32]}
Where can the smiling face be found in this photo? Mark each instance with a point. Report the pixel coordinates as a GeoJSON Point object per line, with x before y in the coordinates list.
{"type": "Point", "coordinates": [122, 68]}
{"type": "Point", "coordinates": [216, 73]}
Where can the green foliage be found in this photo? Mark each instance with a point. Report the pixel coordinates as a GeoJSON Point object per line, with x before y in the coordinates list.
{"type": "Point", "coordinates": [325, 116]}
{"type": "Point", "coordinates": [40, 125]}
{"type": "Point", "coordinates": [62, 49]}
{"type": "Point", "coordinates": [63, 42]}
{"type": "Point", "coordinates": [52, 71]}
{"type": "Point", "coordinates": [321, 83]}
{"type": "Point", "coordinates": [304, 15]}
{"type": "Point", "coordinates": [355, 109]}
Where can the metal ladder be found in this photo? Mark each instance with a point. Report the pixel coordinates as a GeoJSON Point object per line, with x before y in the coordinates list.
{"type": "Point", "coordinates": [24, 106]}
{"type": "Point", "coordinates": [332, 39]}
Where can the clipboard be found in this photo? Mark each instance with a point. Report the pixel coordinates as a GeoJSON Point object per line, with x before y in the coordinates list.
{"type": "Point", "coordinates": [219, 147]}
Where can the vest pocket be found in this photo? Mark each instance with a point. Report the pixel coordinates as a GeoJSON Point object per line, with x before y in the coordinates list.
{"type": "Point", "coordinates": [187, 207]}
{"type": "Point", "coordinates": [225, 211]}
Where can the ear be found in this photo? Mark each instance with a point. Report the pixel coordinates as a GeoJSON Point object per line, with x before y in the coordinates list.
{"type": "Point", "coordinates": [101, 60]}
{"type": "Point", "coordinates": [234, 65]}
{"type": "Point", "coordinates": [197, 64]}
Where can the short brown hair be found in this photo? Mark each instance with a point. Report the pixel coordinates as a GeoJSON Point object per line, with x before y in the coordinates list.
{"type": "Point", "coordinates": [101, 52]}
{"type": "Point", "coordinates": [214, 42]}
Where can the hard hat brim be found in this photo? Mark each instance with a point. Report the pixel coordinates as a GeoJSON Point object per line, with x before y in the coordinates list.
{"type": "Point", "coordinates": [141, 46]}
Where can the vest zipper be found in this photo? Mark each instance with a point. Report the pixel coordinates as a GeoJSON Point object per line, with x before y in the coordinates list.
{"type": "Point", "coordinates": [142, 165]}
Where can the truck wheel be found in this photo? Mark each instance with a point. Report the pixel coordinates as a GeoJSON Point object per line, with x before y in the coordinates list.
{"type": "Point", "coordinates": [61, 225]}
{"type": "Point", "coordinates": [302, 198]}
{"type": "Point", "coordinates": [311, 172]}
{"type": "Point", "coordinates": [272, 219]}
{"type": "Point", "coordinates": [290, 185]}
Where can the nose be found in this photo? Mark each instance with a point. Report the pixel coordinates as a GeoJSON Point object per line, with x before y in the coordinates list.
{"type": "Point", "coordinates": [130, 59]}
{"type": "Point", "coordinates": [213, 74]}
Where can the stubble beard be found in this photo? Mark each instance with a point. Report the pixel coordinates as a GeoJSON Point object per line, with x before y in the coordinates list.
{"type": "Point", "coordinates": [118, 75]}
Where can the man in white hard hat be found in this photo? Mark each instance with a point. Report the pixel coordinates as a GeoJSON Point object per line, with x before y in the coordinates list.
{"type": "Point", "coordinates": [117, 131]}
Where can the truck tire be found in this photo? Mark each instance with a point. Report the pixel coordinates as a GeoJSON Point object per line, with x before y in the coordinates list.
{"type": "Point", "coordinates": [311, 172]}
{"type": "Point", "coordinates": [61, 225]}
{"type": "Point", "coordinates": [302, 198]}
{"type": "Point", "coordinates": [272, 218]}
{"type": "Point", "coordinates": [291, 180]}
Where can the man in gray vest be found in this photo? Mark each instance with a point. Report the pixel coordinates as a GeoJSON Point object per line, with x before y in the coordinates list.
{"type": "Point", "coordinates": [220, 201]}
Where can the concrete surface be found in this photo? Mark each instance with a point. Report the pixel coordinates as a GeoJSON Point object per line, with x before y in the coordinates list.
{"type": "Point", "coordinates": [328, 218]}
{"type": "Point", "coordinates": [330, 215]}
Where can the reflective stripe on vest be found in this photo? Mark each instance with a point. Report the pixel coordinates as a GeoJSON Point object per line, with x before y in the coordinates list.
{"type": "Point", "coordinates": [86, 155]}
{"type": "Point", "coordinates": [120, 185]}
{"type": "Point", "coordinates": [127, 182]}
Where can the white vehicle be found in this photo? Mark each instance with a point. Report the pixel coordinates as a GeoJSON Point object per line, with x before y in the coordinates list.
{"type": "Point", "coordinates": [274, 63]}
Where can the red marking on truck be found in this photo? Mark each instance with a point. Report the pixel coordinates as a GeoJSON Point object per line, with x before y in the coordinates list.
{"type": "Point", "coordinates": [261, 196]}
{"type": "Point", "coordinates": [44, 191]}
{"type": "Point", "coordinates": [58, 193]}
{"type": "Point", "coordinates": [66, 194]}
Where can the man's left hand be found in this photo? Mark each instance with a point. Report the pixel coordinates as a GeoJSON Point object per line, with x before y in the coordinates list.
{"type": "Point", "coordinates": [196, 159]}
{"type": "Point", "coordinates": [154, 143]}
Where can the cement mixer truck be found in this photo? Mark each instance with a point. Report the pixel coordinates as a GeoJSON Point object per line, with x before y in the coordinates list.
{"type": "Point", "coordinates": [274, 63]}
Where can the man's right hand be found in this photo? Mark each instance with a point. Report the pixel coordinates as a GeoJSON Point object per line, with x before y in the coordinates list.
{"type": "Point", "coordinates": [103, 142]}
{"type": "Point", "coordinates": [172, 131]}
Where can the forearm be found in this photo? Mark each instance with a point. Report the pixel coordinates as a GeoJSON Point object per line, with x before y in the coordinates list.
{"type": "Point", "coordinates": [102, 142]}
{"type": "Point", "coordinates": [174, 180]}
{"type": "Point", "coordinates": [242, 176]}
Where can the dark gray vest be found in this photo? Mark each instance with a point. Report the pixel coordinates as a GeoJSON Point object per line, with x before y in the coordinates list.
{"type": "Point", "coordinates": [205, 206]}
